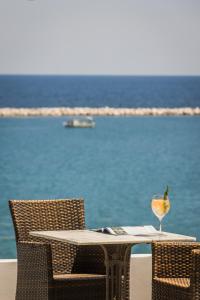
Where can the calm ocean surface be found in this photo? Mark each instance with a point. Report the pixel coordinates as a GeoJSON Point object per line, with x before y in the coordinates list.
{"type": "Point", "coordinates": [116, 167]}
{"type": "Point", "coordinates": [98, 91]}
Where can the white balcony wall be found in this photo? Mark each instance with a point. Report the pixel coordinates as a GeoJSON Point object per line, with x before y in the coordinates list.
{"type": "Point", "coordinates": [140, 278]}
{"type": "Point", "coordinates": [8, 276]}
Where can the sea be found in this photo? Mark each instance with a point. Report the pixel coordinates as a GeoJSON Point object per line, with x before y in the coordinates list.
{"type": "Point", "coordinates": [117, 166]}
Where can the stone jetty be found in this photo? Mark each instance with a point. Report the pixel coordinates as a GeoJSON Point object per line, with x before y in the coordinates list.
{"type": "Point", "coordinates": [100, 111]}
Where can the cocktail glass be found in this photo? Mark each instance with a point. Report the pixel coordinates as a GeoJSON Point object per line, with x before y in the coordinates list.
{"type": "Point", "coordinates": [160, 208]}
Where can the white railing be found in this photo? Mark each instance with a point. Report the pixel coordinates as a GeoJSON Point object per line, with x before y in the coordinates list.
{"type": "Point", "coordinates": [140, 277]}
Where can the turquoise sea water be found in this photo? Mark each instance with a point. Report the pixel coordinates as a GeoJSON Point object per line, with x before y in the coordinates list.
{"type": "Point", "coordinates": [116, 167]}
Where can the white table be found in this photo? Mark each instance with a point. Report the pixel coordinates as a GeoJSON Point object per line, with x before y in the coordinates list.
{"type": "Point", "coordinates": [117, 250]}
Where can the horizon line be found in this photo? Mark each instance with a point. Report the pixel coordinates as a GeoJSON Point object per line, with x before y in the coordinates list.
{"type": "Point", "coordinates": [101, 75]}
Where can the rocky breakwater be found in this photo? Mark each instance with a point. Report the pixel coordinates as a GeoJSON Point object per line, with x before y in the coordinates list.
{"type": "Point", "coordinates": [101, 111]}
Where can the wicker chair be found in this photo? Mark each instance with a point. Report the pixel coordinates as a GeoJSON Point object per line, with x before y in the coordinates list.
{"type": "Point", "coordinates": [54, 270]}
{"type": "Point", "coordinates": [176, 271]}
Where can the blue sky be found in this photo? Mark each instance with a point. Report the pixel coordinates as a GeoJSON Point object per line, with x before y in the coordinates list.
{"type": "Point", "coordinates": [150, 37]}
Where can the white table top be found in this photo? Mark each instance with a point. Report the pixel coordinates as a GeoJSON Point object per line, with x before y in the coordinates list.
{"type": "Point", "coordinates": [89, 237]}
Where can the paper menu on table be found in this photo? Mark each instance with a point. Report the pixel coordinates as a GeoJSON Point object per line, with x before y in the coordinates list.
{"type": "Point", "coordinates": [147, 230]}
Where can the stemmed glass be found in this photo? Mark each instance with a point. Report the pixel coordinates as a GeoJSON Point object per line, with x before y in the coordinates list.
{"type": "Point", "coordinates": [160, 207]}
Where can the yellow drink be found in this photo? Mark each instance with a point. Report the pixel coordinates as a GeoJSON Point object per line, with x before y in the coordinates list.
{"type": "Point", "coordinates": [160, 207]}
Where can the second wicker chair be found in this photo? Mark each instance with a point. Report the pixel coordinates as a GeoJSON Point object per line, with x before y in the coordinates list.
{"type": "Point", "coordinates": [54, 270]}
{"type": "Point", "coordinates": [176, 271]}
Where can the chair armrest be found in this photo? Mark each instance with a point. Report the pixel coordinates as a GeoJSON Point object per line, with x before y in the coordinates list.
{"type": "Point", "coordinates": [195, 274]}
{"type": "Point", "coordinates": [34, 271]}
{"type": "Point", "coordinates": [172, 259]}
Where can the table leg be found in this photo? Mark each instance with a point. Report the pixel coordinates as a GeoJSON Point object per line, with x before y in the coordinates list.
{"type": "Point", "coordinates": [117, 262]}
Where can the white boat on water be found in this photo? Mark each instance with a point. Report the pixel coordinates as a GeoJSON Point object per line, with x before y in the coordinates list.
{"type": "Point", "coordinates": [86, 122]}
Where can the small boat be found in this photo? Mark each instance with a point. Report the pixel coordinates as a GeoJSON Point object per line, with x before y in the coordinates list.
{"type": "Point", "coordinates": [87, 122]}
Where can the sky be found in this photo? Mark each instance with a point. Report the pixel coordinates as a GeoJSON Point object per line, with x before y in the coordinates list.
{"type": "Point", "coordinates": [116, 37]}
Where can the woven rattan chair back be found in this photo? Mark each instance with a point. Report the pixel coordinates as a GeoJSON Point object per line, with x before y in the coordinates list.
{"type": "Point", "coordinates": [175, 267]}
{"type": "Point", "coordinates": [173, 261]}
{"type": "Point", "coordinates": [35, 215]}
